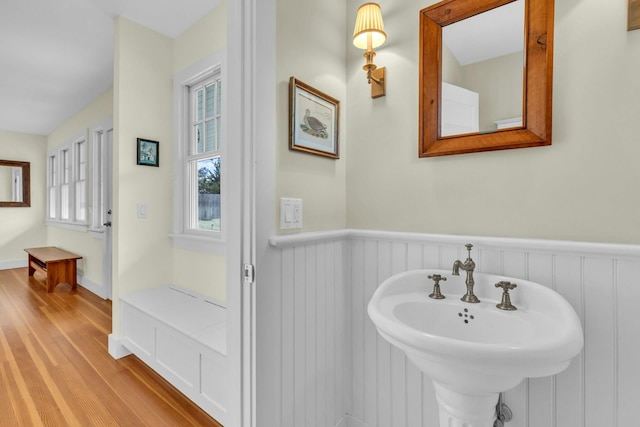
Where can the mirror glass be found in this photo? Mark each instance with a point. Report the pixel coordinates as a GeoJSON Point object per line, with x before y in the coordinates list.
{"type": "Point", "coordinates": [482, 71]}
{"type": "Point", "coordinates": [513, 98]}
{"type": "Point", "coordinates": [14, 184]}
{"type": "Point", "coordinates": [10, 184]}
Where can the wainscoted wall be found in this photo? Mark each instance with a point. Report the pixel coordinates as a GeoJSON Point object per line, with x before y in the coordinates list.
{"type": "Point", "coordinates": [601, 387]}
{"type": "Point", "coordinates": [314, 367]}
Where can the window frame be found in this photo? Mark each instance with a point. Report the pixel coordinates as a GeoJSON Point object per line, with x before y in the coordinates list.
{"type": "Point", "coordinates": [56, 159]}
{"type": "Point", "coordinates": [80, 145]}
{"type": "Point", "coordinates": [52, 185]}
{"type": "Point", "coordinates": [192, 155]}
{"type": "Point", "coordinates": [183, 236]}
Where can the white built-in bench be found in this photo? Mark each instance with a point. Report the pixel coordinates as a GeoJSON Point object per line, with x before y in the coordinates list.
{"type": "Point", "coordinates": [183, 337]}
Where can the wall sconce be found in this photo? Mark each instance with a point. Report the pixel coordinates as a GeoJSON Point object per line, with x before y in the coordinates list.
{"type": "Point", "coordinates": [369, 34]}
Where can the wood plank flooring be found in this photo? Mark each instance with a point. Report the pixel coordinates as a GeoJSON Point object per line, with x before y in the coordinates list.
{"type": "Point", "coordinates": [55, 369]}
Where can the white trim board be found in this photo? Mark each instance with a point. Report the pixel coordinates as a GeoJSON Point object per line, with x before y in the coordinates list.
{"type": "Point", "coordinates": [8, 265]}
{"type": "Point", "coordinates": [565, 246]}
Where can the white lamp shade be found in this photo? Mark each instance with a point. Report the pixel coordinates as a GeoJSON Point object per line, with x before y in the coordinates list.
{"type": "Point", "coordinates": [369, 24]}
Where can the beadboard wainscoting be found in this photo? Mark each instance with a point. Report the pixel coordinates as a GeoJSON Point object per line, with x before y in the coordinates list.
{"type": "Point", "coordinates": [601, 387]}
{"type": "Point", "coordinates": [314, 373]}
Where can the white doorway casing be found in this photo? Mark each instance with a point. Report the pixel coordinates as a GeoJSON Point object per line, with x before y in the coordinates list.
{"type": "Point", "coordinates": [100, 217]}
{"type": "Point", "coordinates": [251, 169]}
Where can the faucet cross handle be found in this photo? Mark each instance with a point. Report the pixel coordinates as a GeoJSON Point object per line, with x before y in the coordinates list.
{"type": "Point", "coordinates": [505, 304]}
{"type": "Point", "coordinates": [506, 286]}
{"type": "Point", "coordinates": [436, 286]}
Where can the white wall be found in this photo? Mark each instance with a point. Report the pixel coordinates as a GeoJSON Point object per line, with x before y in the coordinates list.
{"type": "Point", "coordinates": [23, 227]}
{"type": "Point", "coordinates": [308, 380]}
{"type": "Point", "coordinates": [580, 188]}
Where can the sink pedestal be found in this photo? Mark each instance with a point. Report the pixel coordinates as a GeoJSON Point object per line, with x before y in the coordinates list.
{"type": "Point", "coordinates": [465, 410]}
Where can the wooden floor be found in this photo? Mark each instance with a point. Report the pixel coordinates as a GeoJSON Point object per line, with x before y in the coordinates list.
{"type": "Point", "coordinates": [55, 369]}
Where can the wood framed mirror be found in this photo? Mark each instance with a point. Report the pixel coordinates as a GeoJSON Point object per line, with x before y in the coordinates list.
{"type": "Point", "coordinates": [15, 184]}
{"type": "Point", "coordinates": [534, 128]}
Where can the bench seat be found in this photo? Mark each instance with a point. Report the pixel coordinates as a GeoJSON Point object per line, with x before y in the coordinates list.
{"type": "Point", "coordinates": [183, 337]}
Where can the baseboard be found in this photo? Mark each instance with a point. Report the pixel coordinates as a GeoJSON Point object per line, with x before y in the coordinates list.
{"type": "Point", "coordinates": [8, 265]}
{"type": "Point", "coordinates": [116, 349]}
{"type": "Point", "coordinates": [92, 286]}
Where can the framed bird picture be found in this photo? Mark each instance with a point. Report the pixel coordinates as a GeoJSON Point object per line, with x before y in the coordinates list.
{"type": "Point", "coordinates": [313, 120]}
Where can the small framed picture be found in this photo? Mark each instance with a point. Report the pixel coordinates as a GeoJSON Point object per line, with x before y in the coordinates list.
{"type": "Point", "coordinates": [148, 152]}
{"type": "Point", "coordinates": [313, 120]}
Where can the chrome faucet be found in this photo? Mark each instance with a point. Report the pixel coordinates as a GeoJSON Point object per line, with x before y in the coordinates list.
{"type": "Point", "coordinates": [468, 265]}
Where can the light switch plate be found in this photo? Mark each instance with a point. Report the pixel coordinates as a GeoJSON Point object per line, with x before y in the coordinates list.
{"type": "Point", "coordinates": [290, 213]}
{"type": "Point", "coordinates": [142, 210]}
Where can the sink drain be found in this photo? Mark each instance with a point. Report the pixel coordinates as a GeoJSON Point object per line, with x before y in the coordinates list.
{"type": "Point", "coordinates": [466, 316]}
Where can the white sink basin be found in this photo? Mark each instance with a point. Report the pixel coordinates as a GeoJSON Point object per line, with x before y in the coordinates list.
{"type": "Point", "coordinates": [476, 350]}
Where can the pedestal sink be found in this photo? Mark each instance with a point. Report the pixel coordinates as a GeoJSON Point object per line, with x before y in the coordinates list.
{"type": "Point", "coordinates": [472, 352]}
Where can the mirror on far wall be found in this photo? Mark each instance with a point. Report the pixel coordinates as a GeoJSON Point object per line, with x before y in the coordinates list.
{"type": "Point", "coordinates": [485, 75]}
{"type": "Point", "coordinates": [15, 184]}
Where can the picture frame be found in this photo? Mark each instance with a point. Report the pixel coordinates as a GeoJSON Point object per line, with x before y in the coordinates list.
{"type": "Point", "coordinates": [633, 15]}
{"type": "Point", "coordinates": [148, 153]}
{"type": "Point", "coordinates": [313, 120]}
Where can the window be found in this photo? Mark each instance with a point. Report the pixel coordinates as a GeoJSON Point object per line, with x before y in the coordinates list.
{"type": "Point", "coordinates": [52, 184]}
{"type": "Point", "coordinates": [203, 157]}
{"type": "Point", "coordinates": [199, 131]}
{"type": "Point", "coordinates": [67, 183]}
{"type": "Point", "coordinates": [81, 181]}
{"type": "Point", "coordinates": [65, 180]}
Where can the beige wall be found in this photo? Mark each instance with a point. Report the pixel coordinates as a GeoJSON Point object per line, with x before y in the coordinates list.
{"type": "Point", "coordinates": [311, 46]}
{"type": "Point", "coordinates": [145, 62]}
{"type": "Point", "coordinates": [6, 183]}
{"type": "Point", "coordinates": [83, 243]}
{"type": "Point", "coordinates": [583, 187]}
{"type": "Point", "coordinates": [202, 272]}
{"type": "Point", "coordinates": [142, 106]}
{"type": "Point", "coordinates": [142, 109]}
{"type": "Point", "coordinates": [23, 227]}
{"type": "Point", "coordinates": [206, 36]}
{"type": "Point", "coordinates": [499, 83]}
{"type": "Point", "coordinates": [451, 69]}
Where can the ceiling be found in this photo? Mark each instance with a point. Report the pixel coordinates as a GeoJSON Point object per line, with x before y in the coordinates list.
{"type": "Point", "coordinates": [492, 34]}
{"type": "Point", "coordinates": [56, 56]}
